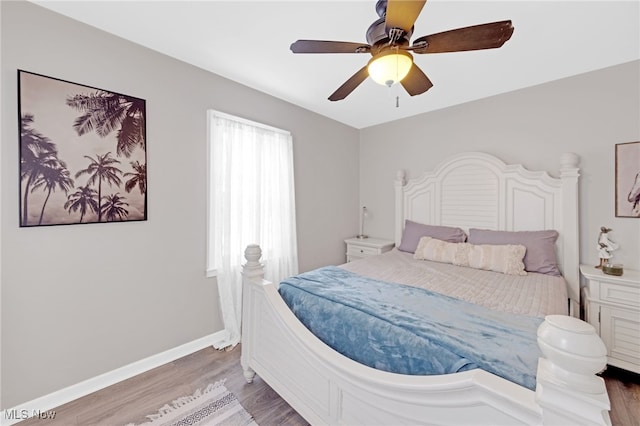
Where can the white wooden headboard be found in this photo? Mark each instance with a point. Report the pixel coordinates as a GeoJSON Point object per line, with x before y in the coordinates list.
{"type": "Point", "coordinates": [478, 190]}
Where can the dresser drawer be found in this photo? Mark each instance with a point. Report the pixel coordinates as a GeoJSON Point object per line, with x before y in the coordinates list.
{"type": "Point", "coordinates": [361, 251]}
{"type": "Point", "coordinates": [620, 294]}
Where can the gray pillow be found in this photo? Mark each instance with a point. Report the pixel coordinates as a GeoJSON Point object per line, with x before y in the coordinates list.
{"type": "Point", "coordinates": [413, 231]}
{"type": "Point", "coordinates": [541, 247]}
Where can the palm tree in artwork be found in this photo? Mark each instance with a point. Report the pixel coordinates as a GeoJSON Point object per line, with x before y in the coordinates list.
{"type": "Point", "coordinates": [37, 154]}
{"type": "Point", "coordinates": [49, 179]}
{"type": "Point", "coordinates": [105, 112]}
{"type": "Point", "coordinates": [114, 207]}
{"type": "Point", "coordinates": [84, 199]}
{"type": "Point", "coordinates": [139, 179]}
{"type": "Point", "coordinates": [31, 140]}
{"type": "Point", "coordinates": [100, 169]}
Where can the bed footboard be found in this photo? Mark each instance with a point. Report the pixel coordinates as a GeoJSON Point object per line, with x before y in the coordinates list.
{"type": "Point", "coordinates": [327, 388]}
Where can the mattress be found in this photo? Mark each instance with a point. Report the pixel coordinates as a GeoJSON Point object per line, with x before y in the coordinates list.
{"type": "Point", "coordinates": [533, 294]}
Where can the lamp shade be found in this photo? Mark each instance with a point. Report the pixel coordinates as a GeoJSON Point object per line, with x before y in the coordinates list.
{"type": "Point", "coordinates": [390, 67]}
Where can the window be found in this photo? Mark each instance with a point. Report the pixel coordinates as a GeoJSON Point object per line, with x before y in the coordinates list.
{"type": "Point", "coordinates": [251, 200]}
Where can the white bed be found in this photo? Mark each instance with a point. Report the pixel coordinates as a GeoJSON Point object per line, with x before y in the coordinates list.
{"type": "Point", "coordinates": [328, 388]}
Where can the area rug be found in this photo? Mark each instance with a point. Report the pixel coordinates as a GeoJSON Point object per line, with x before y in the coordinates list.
{"type": "Point", "coordinates": [214, 405]}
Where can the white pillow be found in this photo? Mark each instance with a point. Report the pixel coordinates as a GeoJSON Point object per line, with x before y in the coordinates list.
{"type": "Point", "coordinates": [507, 259]}
{"type": "Point", "coordinates": [440, 251]}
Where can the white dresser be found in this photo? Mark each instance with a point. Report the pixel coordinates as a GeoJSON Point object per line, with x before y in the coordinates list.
{"type": "Point", "coordinates": [612, 306]}
{"type": "Point", "coordinates": [358, 248]}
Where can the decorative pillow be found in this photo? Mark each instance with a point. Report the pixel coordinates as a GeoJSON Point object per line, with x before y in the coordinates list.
{"type": "Point", "coordinates": [507, 259]}
{"type": "Point", "coordinates": [413, 231]}
{"type": "Point", "coordinates": [541, 254]}
{"type": "Point", "coordinates": [499, 258]}
{"type": "Point", "coordinates": [440, 251]}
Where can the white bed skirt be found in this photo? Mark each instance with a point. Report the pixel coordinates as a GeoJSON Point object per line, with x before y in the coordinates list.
{"type": "Point", "coordinates": [327, 388]}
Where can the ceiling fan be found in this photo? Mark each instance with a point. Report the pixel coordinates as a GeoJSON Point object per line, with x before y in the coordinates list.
{"type": "Point", "coordinates": [388, 42]}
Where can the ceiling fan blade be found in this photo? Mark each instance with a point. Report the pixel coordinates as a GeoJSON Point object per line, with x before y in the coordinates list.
{"type": "Point", "coordinates": [350, 85]}
{"type": "Point", "coordinates": [476, 37]}
{"type": "Point", "coordinates": [416, 82]}
{"type": "Point", "coordinates": [321, 46]}
{"type": "Point", "coordinates": [402, 14]}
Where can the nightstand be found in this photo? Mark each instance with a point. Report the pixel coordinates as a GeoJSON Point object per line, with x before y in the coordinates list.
{"type": "Point", "coordinates": [612, 306]}
{"type": "Point", "coordinates": [359, 248]}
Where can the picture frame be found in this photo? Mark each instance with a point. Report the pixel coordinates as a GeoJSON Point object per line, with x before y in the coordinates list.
{"type": "Point", "coordinates": [628, 179]}
{"type": "Point", "coordinates": [83, 153]}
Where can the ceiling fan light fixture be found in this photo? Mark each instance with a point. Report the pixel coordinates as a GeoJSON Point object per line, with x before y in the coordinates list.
{"type": "Point", "coordinates": [390, 66]}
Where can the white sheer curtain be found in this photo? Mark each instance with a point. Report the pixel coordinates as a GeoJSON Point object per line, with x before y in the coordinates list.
{"type": "Point", "coordinates": [251, 201]}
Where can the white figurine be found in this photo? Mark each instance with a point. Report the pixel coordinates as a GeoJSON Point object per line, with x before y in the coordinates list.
{"type": "Point", "coordinates": [605, 246]}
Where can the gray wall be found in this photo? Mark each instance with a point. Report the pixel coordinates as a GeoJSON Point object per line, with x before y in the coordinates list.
{"type": "Point", "coordinates": [586, 114]}
{"type": "Point", "coordinates": [78, 301]}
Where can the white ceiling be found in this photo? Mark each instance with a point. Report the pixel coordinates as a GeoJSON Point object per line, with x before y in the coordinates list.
{"type": "Point", "coordinates": [248, 42]}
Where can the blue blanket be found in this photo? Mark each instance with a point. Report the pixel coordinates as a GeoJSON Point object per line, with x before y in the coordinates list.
{"type": "Point", "coordinates": [409, 330]}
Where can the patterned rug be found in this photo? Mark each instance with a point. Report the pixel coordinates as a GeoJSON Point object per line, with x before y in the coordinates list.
{"type": "Point", "coordinates": [214, 405]}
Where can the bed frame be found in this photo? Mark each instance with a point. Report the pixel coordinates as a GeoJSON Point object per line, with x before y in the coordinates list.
{"type": "Point", "coordinates": [467, 190]}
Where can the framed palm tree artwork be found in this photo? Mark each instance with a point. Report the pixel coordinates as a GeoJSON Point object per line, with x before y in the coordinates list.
{"type": "Point", "coordinates": [628, 179]}
{"type": "Point", "coordinates": [83, 153]}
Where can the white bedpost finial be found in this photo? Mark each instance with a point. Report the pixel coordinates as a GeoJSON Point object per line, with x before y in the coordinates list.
{"type": "Point", "coordinates": [401, 177]}
{"type": "Point", "coordinates": [569, 160]}
{"type": "Point", "coordinates": [253, 268]}
{"type": "Point", "coordinates": [574, 349]}
{"type": "Point", "coordinates": [252, 253]}
{"type": "Point", "coordinates": [567, 382]}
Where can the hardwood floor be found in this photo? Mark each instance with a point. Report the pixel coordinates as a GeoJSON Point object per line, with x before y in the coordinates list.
{"type": "Point", "coordinates": [131, 400]}
{"type": "Point", "coordinates": [624, 393]}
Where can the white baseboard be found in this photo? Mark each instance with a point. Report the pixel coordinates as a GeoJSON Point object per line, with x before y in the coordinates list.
{"type": "Point", "coordinates": [42, 407]}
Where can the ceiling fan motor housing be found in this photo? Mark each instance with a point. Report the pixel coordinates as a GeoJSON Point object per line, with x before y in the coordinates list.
{"type": "Point", "coordinates": [377, 34]}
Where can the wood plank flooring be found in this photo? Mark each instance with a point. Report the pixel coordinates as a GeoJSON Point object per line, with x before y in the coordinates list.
{"type": "Point", "coordinates": [131, 400]}
{"type": "Point", "coordinates": [624, 393]}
